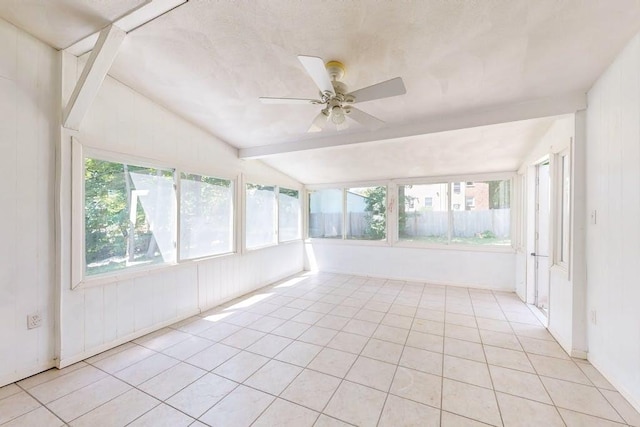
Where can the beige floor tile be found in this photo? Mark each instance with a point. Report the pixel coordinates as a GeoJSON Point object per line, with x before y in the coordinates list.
{"type": "Point", "coordinates": [273, 377]}
{"type": "Point", "coordinates": [241, 366]}
{"type": "Point", "coordinates": [403, 310]}
{"type": "Point", "coordinates": [62, 385]}
{"type": "Point", "coordinates": [243, 318]}
{"type": "Point", "coordinates": [422, 360]}
{"type": "Point", "coordinates": [378, 306]}
{"type": "Point", "coordinates": [428, 326]}
{"type": "Point", "coordinates": [239, 408]}
{"type": "Point", "coordinates": [508, 358]}
{"type": "Point", "coordinates": [428, 314]}
{"type": "Point", "coordinates": [519, 412]}
{"type": "Point", "coordinates": [199, 396]}
{"type": "Point", "coordinates": [145, 369]}
{"type": "Point", "coordinates": [187, 348]}
{"type": "Point", "coordinates": [286, 414]}
{"type": "Point", "coordinates": [372, 373]}
{"type": "Point", "coordinates": [16, 405]}
{"type": "Point", "coordinates": [269, 345]}
{"type": "Point", "coordinates": [321, 307]}
{"type": "Point", "coordinates": [79, 402]}
{"type": "Point", "coordinates": [163, 416]}
{"type": "Point", "coordinates": [532, 331]}
{"type": "Point", "coordinates": [51, 374]}
{"type": "Point", "coordinates": [592, 373]}
{"type": "Point", "coordinates": [461, 332]}
{"type": "Point", "coordinates": [9, 390]}
{"type": "Point", "coordinates": [164, 340]}
{"type": "Point", "coordinates": [213, 356]}
{"type": "Point", "coordinates": [332, 322]}
{"type": "Point", "coordinates": [628, 413]}
{"type": "Point", "coordinates": [193, 325]}
{"type": "Point", "coordinates": [425, 341]}
{"type": "Point", "coordinates": [286, 313]}
{"type": "Point", "coordinates": [318, 336]}
{"type": "Point", "coordinates": [468, 371]}
{"type": "Point", "coordinates": [348, 309]}
{"type": "Point", "coordinates": [350, 343]}
{"type": "Point", "coordinates": [580, 398]}
{"type": "Point", "coordinates": [495, 314]}
{"type": "Point", "coordinates": [461, 320]}
{"type": "Point", "coordinates": [499, 339]}
{"type": "Point", "coordinates": [308, 317]}
{"type": "Point", "coordinates": [521, 317]}
{"type": "Point", "coordinates": [299, 353]}
{"type": "Point", "coordinates": [383, 350]}
{"type": "Point", "coordinates": [109, 352]}
{"type": "Point", "coordinates": [369, 315]}
{"type": "Point", "coordinates": [543, 347]}
{"type": "Point", "coordinates": [291, 329]}
{"type": "Point", "coordinates": [169, 382]}
{"type": "Point", "coordinates": [311, 389]}
{"type": "Point", "coordinates": [397, 321]}
{"type": "Point", "coordinates": [266, 324]}
{"type": "Point", "coordinates": [356, 404]}
{"type": "Point", "coordinates": [242, 338]}
{"type": "Point", "coordinates": [119, 411]}
{"type": "Point", "coordinates": [123, 359]}
{"type": "Point", "coordinates": [453, 420]}
{"type": "Point", "coordinates": [360, 327]}
{"type": "Point", "coordinates": [399, 412]}
{"type": "Point", "coordinates": [391, 334]}
{"type": "Point", "coordinates": [470, 401]}
{"type": "Point", "coordinates": [418, 386]}
{"type": "Point", "coordinates": [576, 419]}
{"type": "Point", "coordinates": [333, 362]}
{"type": "Point", "coordinates": [40, 417]}
{"type": "Point", "coordinates": [494, 325]}
{"type": "Point", "coordinates": [519, 383]}
{"type": "Point", "coordinates": [464, 349]}
{"type": "Point", "coordinates": [558, 368]}
{"type": "Point", "coordinates": [219, 331]}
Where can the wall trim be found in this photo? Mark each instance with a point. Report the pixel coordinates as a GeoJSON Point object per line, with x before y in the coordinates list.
{"type": "Point", "coordinates": [26, 373]}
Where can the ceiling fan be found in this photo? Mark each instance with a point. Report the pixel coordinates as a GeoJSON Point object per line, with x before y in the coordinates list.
{"type": "Point", "coordinates": [334, 97]}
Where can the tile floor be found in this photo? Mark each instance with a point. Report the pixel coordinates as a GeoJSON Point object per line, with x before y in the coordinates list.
{"type": "Point", "coordinates": [332, 350]}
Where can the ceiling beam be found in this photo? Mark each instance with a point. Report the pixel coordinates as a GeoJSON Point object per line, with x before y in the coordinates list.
{"type": "Point", "coordinates": [92, 76]}
{"type": "Point", "coordinates": [545, 107]}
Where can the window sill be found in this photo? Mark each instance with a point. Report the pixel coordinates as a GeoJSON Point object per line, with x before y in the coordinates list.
{"type": "Point", "coordinates": [352, 242]}
{"type": "Point", "coordinates": [413, 245]}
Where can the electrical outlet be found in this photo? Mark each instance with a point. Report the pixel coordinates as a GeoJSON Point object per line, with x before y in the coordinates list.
{"type": "Point", "coordinates": [594, 318]}
{"type": "Point", "coordinates": [34, 321]}
{"type": "Point", "coordinates": [594, 215]}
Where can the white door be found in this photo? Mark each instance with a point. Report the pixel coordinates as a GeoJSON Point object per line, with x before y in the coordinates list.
{"type": "Point", "coordinates": [541, 254]}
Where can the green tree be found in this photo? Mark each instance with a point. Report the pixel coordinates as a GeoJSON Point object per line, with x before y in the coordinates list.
{"type": "Point", "coordinates": [376, 208]}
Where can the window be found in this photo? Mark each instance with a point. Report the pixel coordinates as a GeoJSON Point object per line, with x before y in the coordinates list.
{"type": "Point", "coordinates": [425, 225]}
{"type": "Point", "coordinates": [366, 213]}
{"type": "Point", "coordinates": [479, 214]}
{"type": "Point", "coordinates": [325, 213]}
{"type": "Point", "coordinates": [564, 219]}
{"type": "Point", "coordinates": [486, 219]}
{"type": "Point", "coordinates": [206, 216]}
{"type": "Point", "coordinates": [288, 214]}
{"type": "Point", "coordinates": [260, 216]}
{"type": "Point", "coordinates": [129, 216]}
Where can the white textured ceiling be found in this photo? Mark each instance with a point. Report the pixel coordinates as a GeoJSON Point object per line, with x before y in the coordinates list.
{"type": "Point", "coordinates": [494, 148]}
{"type": "Point", "coordinates": [60, 23]}
{"type": "Point", "coordinates": [209, 61]}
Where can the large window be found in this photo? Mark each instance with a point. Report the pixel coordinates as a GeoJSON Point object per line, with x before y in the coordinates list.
{"type": "Point", "coordinates": [478, 213]}
{"type": "Point", "coordinates": [206, 216]}
{"type": "Point", "coordinates": [423, 223]}
{"type": "Point", "coordinates": [129, 216]}
{"type": "Point", "coordinates": [326, 213]}
{"type": "Point", "coordinates": [260, 215]}
{"type": "Point", "coordinates": [288, 214]}
{"type": "Point", "coordinates": [366, 213]}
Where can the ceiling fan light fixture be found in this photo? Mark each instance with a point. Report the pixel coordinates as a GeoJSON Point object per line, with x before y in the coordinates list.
{"type": "Point", "coordinates": [337, 115]}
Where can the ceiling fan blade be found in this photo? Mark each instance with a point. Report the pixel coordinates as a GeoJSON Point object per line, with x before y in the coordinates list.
{"type": "Point", "coordinates": [381, 90]}
{"type": "Point", "coordinates": [365, 119]}
{"type": "Point", "coordinates": [319, 123]}
{"type": "Point", "coordinates": [267, 100]}
{"type": "Point", "coordinates": [316, 69]}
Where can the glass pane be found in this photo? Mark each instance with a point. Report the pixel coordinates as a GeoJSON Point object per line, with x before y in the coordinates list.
{"type": "Point", "coordinates": [260, 216]}
{"type": "Point", "coordinates": [325, 213]}
{"type": "Point", "coordinates": [289, 214]}
{"type": "Point", "coordinates": [206, 216]}
{"type": "Point", "coordinates": [428, 222]}
{"type": "Point", "coordinates": [366, 213]}
{"type": "Point", "coordinates": [129, 216]}
{"type": "Point", "coordinates": [482, 213]}
{"type": "Point", "coordinates": [566, 208]}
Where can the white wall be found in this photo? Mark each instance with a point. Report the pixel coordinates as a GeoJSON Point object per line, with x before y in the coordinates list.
{"type": "Point", "coordinates": [613, 242]}
{"type": "Point", "coordinates": [28, 113]}
{"type": "Point", "coordinates": [567, 284]}
{"type": "Point", "coordinates": [94, 317]}
{"type": "Point", "coordinates": [479, 269]}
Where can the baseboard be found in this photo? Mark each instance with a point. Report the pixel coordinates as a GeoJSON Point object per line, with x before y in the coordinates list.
{"type": "Point", "coordinates": [63, 363]}
{"type": "Point", "coordinates": [20, 375]}
{"type": "Point", "coordinates": [413, 279]}
{"type": "Point", "coordinates": [633, 400]}
{"type": "Point", "coordinates": [579, 354]}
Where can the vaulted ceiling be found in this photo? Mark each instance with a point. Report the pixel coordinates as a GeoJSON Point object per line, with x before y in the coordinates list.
{"type": "Point", "coordinates": [209, 61]}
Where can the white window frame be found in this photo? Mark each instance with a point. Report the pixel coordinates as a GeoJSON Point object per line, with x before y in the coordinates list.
{"type": "Point", "coordinates": [562, 231]}
{"type": "Point", "coordinates": [300, 214]}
